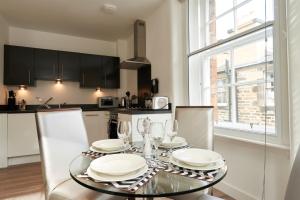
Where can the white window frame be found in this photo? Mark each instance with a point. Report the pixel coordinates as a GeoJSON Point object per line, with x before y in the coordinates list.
{"type": "Point", "coordinates": [281, 88]}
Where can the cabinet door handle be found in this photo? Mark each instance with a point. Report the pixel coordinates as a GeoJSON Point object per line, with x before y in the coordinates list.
{"type": "Point", "coordinates": [62, 71]}
{"type": "Point", "coordinates": [29, 77]}
{"type": "Point", "coordinates": [54, 72]}
{"type": "Point", "coordinates": [105, 79]}
{"type": "Point", "coordinates": [82, 78]}
{"type": "Point", "coordinates": [91, 115]}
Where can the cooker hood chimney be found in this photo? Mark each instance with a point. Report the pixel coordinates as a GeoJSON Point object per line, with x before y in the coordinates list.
{"type": "Point", "coordinates": [139, 48]}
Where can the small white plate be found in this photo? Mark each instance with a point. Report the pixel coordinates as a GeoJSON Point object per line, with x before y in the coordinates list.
{"type": "Point", "coordinates": [112, 151]}
{"type": "Point", "coordinates": [108, 145]}
{"type": "Point", "coordinates": [196, 157]}
{"type": "Point", "coordinates": [118, 164]}
{"type": "Point", "coordinates": [217, 165]}
{"type": "Point", "coordinates": [108, 178]}
{"type": "Point", "coordinates": [176, 142]}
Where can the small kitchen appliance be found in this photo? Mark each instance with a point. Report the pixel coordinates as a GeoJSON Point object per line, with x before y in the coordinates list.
{"type": "Point", "coordinates": [108, 102]}
{"type": "Point", "coordinates": [11, 100]}
{"type": "Point", "coordinates": [160, 102]}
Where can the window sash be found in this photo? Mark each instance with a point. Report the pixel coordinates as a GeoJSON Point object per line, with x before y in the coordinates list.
{"type": "Point", "coordinates": [233, 38]}
{"type": "Point", "coordinates": [235, 7]}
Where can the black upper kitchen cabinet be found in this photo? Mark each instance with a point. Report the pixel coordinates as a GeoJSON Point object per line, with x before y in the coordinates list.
{"type": "Point", "coordinates": [51, 65]}
{"type": "Point", "coordinates": [68, 66]}
{"type": "Point", "coordinates": [24, 65]}
{"type": "Point", "coordinates": [18, 65]}
{"type": "Point", "coordinates": [46, 64]}
{"type": "Point", "coordinates": [110, 71]}
{"type": "Point", "coordinates": [90, 71]}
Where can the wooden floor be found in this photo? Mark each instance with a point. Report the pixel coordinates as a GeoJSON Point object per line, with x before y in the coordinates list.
{"type": "Point", "coordinates": [24, 182]}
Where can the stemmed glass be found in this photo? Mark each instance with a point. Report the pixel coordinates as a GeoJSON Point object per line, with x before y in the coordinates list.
{"type": "Point", "coordinates": [156, 133]}
{"type": "Point", "coordinates": [124, 131]}
{"type": "Point", "coordinates": [171, 128]}
{"type": "Point", "coordinates": [140, 127]}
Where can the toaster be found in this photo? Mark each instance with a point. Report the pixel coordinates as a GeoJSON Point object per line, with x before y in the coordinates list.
{"type": "Point", "coordinates": [160, 103]}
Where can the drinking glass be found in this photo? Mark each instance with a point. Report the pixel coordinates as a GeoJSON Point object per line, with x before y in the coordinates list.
{"type": "Point", "coordinates": [140, 127]}
{"type": "Point", "coordinates": [156, 133]}
{"type": "Point", "coordinates": [143, 126]}
{"type": "Point", "coordinates": [171, 127]}
{"type": "Point", "coordinates": [124, 131]}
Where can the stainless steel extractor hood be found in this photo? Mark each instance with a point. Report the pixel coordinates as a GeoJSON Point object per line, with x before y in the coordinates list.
{"type": "Point", "coordinates": [139, 59]}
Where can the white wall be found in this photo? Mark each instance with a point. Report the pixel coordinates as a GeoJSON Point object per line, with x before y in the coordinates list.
{"type": "Point", "coordinates": [47, 40]}
{"type": "Point", "coordinates": [70, 92]}
{"type": "Point", "coordinates": [179, 66]}
{"type": "Point", "coordinates": [245, 169]}
{"type": "Point", "coordinates": [3, 40]}
{"type": "Point", "coordinates": [165, 38]}
{"type": "Point", "coordinates": [128, 78]}
{"type": "Point", "coordinates": [293, 24]}
{"type": "Point", "coordinates": [158, 47]}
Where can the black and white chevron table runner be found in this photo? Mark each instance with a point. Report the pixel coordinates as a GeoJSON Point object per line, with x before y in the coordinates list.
{"type": "Point", "coordinates": [154, 167]}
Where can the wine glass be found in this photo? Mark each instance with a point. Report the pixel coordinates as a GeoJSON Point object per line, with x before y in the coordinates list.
{"type": "Point", "coordinates": [156, 133]}
{"type": "Point", "coordinates": [124, 131]}
{"type": "Point", "coordinates": [140, 127]}
{"type": "Point", "coordinates": [171, 127]}
{"type": "Point", "coordinates": [143, 126]}
{"type": "Point", "coordinates": [128, 132]}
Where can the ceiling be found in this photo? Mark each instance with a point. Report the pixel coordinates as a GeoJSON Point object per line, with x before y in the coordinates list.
{"type": "Point", "coordinates": [84, 18]}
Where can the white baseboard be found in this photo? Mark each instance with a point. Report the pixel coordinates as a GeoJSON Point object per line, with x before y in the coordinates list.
{"type": "Point", "coordinates": [23, 159]}
{"type": "Point", "coordinates": [234, 192]}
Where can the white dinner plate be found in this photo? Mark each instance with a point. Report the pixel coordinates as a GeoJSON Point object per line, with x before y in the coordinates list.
{"type": "Point", "coordinates": [118, 164]}
{"type": "Point", "coordinates": [196, 157]}
{"type": "Point", "coordinates": [108, 145]}
{"type": "Point", "coordinates": [111, 151]}
{"type": "Point", "coordinates": [108, 178]}
{"type": "Point", "coordinates": [213, 166]}
{"type": "Point", "coordinates": [176, 142]}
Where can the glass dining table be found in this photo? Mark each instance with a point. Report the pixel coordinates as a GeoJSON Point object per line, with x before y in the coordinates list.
{"type": "Point", "coordinates": [163, 184]}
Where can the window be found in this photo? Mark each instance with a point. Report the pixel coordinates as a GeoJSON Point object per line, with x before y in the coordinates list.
{"type": "Point", "coordinates": [231, 63]}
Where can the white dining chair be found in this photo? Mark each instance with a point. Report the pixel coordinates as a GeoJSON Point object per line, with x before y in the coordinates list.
{"type": "Point", "coordinates": [62, 137]}
{"type": "Point", "coordinates": [195, 124]}
{"type": "Point", "coordinates": [293, 192]}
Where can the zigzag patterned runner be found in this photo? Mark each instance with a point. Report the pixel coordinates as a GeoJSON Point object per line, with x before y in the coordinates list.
{"type": "Point", "coordinates": [131, 185]}
{"type": "Point", "coordinates": [155, 166]}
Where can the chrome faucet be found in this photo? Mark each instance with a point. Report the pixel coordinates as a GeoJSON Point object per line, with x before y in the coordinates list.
{"type": "Point", "coordinates": [61, 104]}
{"type": "Point", "coordinates": [45, 104]}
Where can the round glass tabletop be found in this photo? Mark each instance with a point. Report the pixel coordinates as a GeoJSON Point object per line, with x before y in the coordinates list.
{"type": "Point", "coordinates": [163, 184]}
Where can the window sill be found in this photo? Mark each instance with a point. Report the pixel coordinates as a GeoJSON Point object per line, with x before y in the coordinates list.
{"type": "Point", "coordinates": [242, 128]}
{"type": "Point", "coordinates": [252, 141]}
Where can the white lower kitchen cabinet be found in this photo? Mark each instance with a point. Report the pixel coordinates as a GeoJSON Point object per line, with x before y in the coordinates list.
{"type": "Point", "coordinates": [3, 140]}
{"type": "Point", "coordinates": [133, 118]}
{"type": "Point", "coordinates": [96, 124]}
{"type": "Point", "coordinates": [22, 139]}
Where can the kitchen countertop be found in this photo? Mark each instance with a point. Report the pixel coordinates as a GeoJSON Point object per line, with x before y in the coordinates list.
{"type": "Point", "coordinates": [141, 111]}
{"type": "Point", "coordinates": [87, 107]}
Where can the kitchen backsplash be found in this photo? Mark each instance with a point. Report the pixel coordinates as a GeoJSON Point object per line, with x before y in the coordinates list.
{"type": "Point", "coordinates": [68, 92]}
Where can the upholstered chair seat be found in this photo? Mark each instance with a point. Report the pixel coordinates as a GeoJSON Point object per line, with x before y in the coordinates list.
{"type": "Point", "coordinates": [195, 124]}
{"type": "Point", "coordinates": [62, 137]}
{"type": "Point", "coordinates": [73, 191]}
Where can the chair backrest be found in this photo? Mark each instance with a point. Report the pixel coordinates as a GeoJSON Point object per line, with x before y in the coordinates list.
{"type": "Point", "coordinates": [293, 192]}
{"type": "Point", "coordinates": [195, 124]}
{"type": "Point", "coordinates": [62, 137]}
